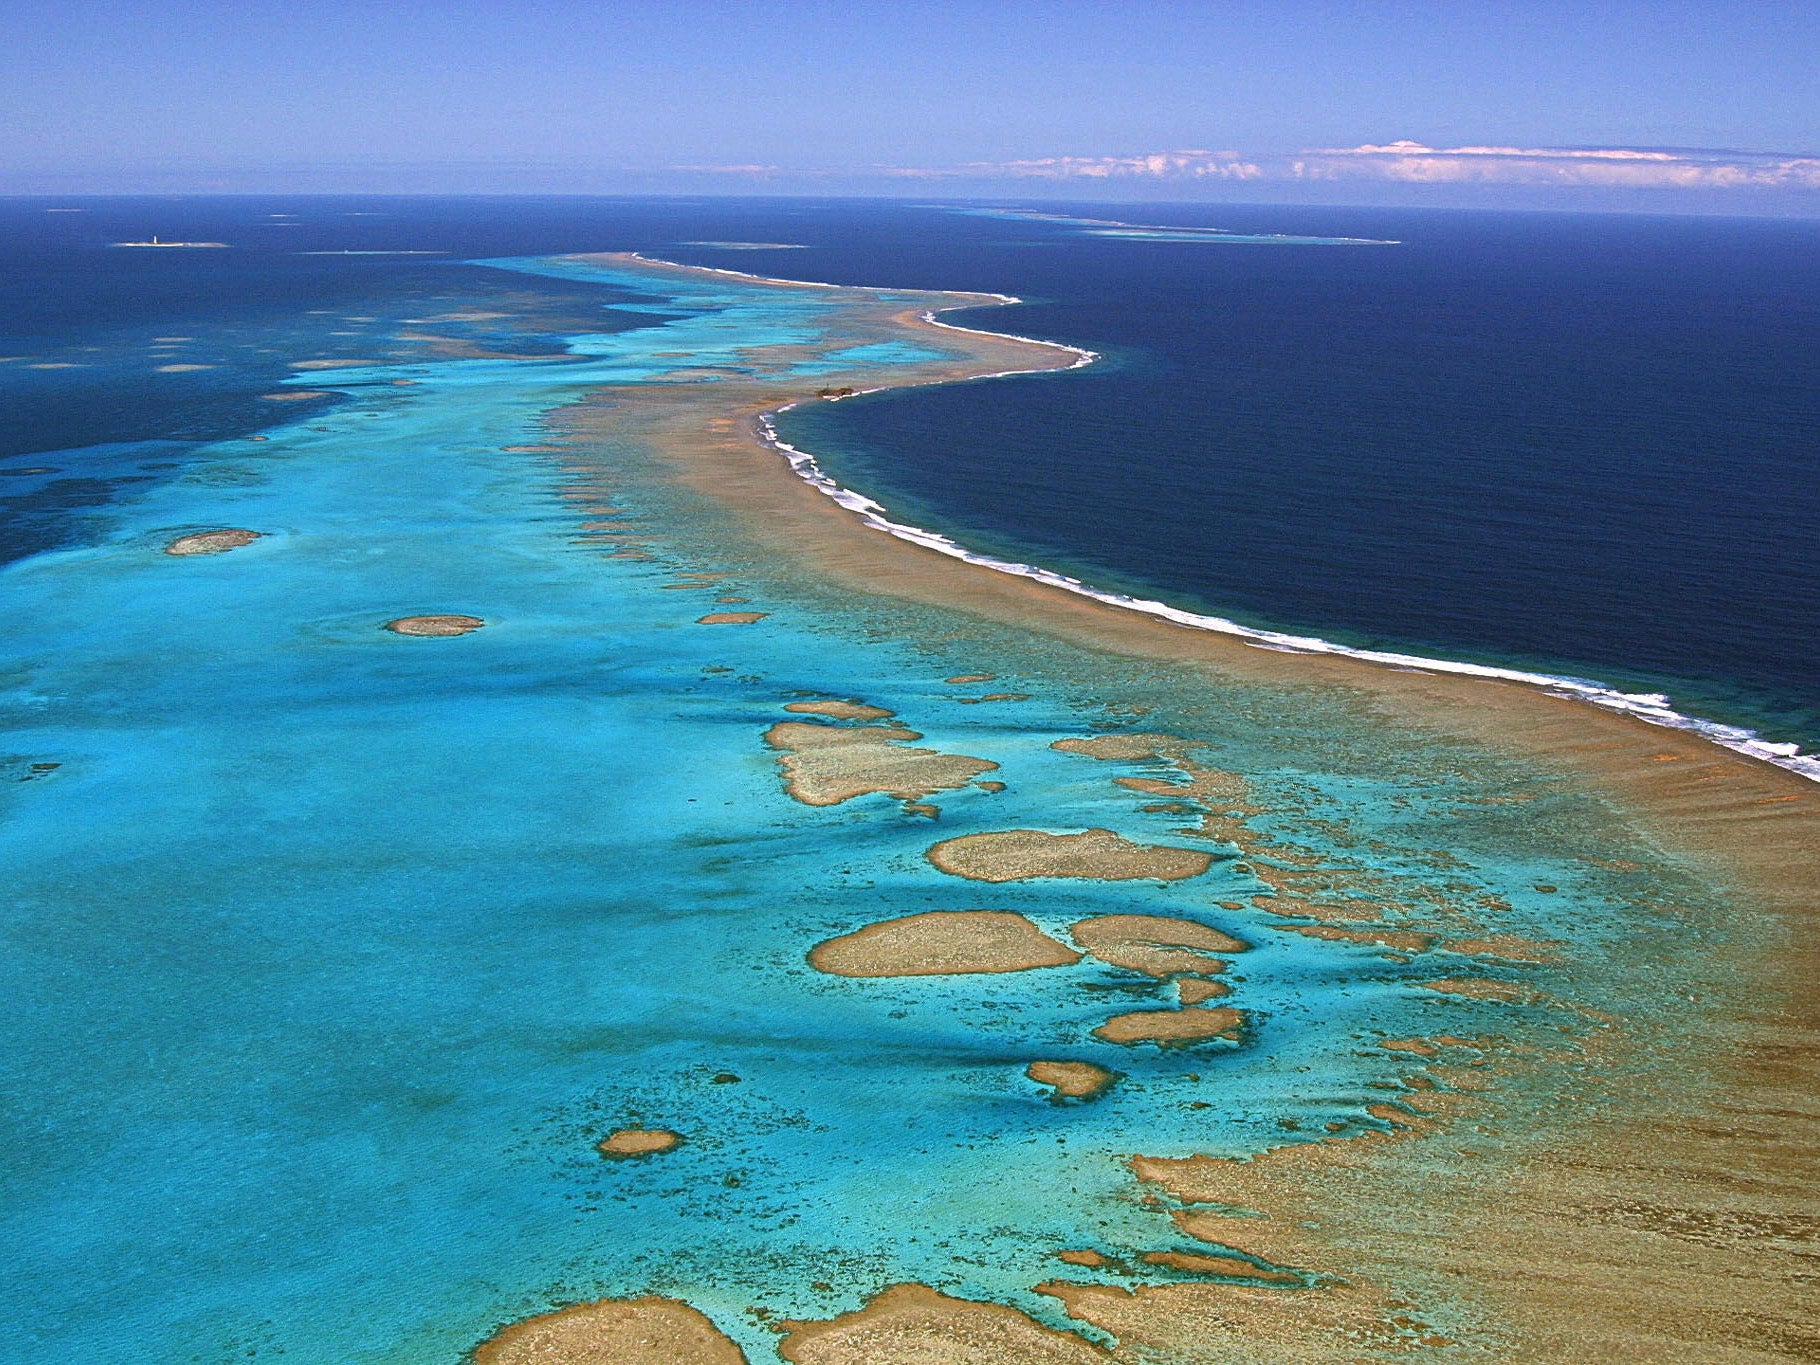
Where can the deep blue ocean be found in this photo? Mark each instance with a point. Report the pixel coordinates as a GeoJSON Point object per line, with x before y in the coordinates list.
{"type": "Point", "coordinates": [1578, 444]}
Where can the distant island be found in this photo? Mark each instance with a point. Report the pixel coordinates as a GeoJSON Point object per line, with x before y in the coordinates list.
{"type": "Point", "coordinates": [156, 242]}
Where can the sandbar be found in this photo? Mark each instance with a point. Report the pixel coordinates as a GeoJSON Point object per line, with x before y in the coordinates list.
{"type": "Point", "coordinates": [211, 542]}
{"type": "Point", "coordinates": [1171, 1027]}
{"type": "Point", "coordinates": [941, 943]}
{"type": "Point", "coordinates": [732, 618]}
{"type": "Point", "coordinates": [435, 626]}
{"type": "Point", "coordinates": [649, 1331]}
{"type": "Point", "coordinates": [911, 1324]}
{"type": "Point", "coordinates": [1234, 1266]}
{"type": "Point", "coordinates": [1154, 944]}
{"type": "Point", "coordinates": [1014, 854]}
{"type": "Point", "coordinates": [629, 1142]}
{"type": "Point", "coordinates": [1072, 1080]}
{"type": "Point", "coordinates": [824, 765]}
{"type": "Point", "coordinates": [839, 710]}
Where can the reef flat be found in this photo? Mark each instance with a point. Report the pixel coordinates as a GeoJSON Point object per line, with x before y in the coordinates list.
{"type": "Point", "coordinates": [599, 986]}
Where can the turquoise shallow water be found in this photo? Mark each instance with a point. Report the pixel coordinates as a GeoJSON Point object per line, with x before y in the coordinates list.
{"type": "Point", "coordinates": [331, 954]}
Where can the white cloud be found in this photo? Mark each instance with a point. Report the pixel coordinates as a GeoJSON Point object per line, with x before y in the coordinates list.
{"type": "Point", "coordinates": [1620, 167]}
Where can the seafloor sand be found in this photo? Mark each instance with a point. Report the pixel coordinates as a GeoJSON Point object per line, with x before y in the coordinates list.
{"type": "Point", "coordinates": [942, 943]}
{"type": "Point", "coordinates": [1646, 1229]}
{"type": "Point", "coordinates": [211, 542]}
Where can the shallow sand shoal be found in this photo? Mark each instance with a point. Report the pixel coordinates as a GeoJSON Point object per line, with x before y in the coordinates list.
{"type": "Point", "coordinates": [911, 1324]}
{"type": "Point", "coordinates": [628, 1142]}
{"type": "Point", "coordinates": [839, 710]}
{"type": "Point", "coordinates": [649, 1331]}
{"type": "Point", "coordinates": [1168, 1028]}
{"type": "Point", "coordinates": [942, 943]}
{"type": "Point", "coordinates": [1154, 944]}
{"type": "Point", "coordinates": [1099, 854]}
{"type": "Point", "coordinates": [435, 626]}
{"type": "Point", "coordinates": [211, 542]}
{"type": "Point", "coordinates": [824, 765]}
{"type": "Point", "coordinates": [1072, 1080]}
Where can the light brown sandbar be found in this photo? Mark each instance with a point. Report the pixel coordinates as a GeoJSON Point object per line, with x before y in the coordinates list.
{"type": "Point", "coordinates": [1014, 854]}
{"type": "Point", "coordinates": [824, 765]}
{"type": "Point", "coordinates": [941, 943]}
{"type": "Point", "coordinates": [911, 1324]}
{"type": "Point", "coordinates": [436, 626]}
{"type": "Point", "coordinates": [1201, 1264]}
{"type": "Point", "coordinates": [1072, 1080]}
{"type": "Point", "coordinates": [211, 542]}
{"type": "Point", "coordinates": [839, 710]}
{"type": "Point", "coordinates": [628, 1142]}
{"type": "Point", "coordinates": [649, 1331]}
{"type": "Point", "coordinates": [1171, 1027]}
{"type": "Point", "coordinates": [1154, 944]}
{"type": "Point", "coordinates": [732, 618]}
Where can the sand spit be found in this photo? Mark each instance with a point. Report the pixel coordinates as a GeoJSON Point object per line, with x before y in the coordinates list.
{"type": "Point", "coordinates": [1155, 945]}
{"type": "Point", "coordinates": [211, 542]}
{"type": "Point", "coordinates": [649, 1331]}
{"type": "Point", "coordinates": [435, 626]}
{"type": "Point", "coordinates": [1167, 1028]}
{"type": "Point", "coordinates": [632, 1142]}
{"type": "Point", "coordinates": [911, 1324]}
{"type": "Point", "coordinates": [1014, 854]}
{"type": "Point", "coordinates": [941, 943]}
{"type": "Point", "coordinates": [732, 618]}
{"type": "Point", "coordinates": [824, 765]}
{"type": "Point", "coordinates": [839, 710]}
{"type": "Point", "coordinates": [1072, 1080]}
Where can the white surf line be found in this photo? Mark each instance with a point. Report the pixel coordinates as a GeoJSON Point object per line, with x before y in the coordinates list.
{"type": "Point", "coordinates": [1654, 708]}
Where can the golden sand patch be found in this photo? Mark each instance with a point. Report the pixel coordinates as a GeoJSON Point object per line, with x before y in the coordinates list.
{"type": "Point", "coordinates": [1072, 1080]}
{"type": "Point", "coordinates": [295, 395]}
{"type": "Point", "coordinates": [839, 710]}
{"type": "Point", "coordinates": [1202, 1264]}
{"type": "Point", "coordinates": [1086, 1258]}
{"type": "Point", "coordinates": [972, 678]}
{"type": "Point", "coordinates": [211, 542]}
{"type": "Point", "coordinates": [1172, 1027]}
{"type": "Point", "coordinates": [1154, 944]}
{"type": "Point", "coordinates": [1192, 990]}
{"type": "Point", "coordinates": [1510, 947]}
{"type": "Point", "coordinates": [434, 625]}
{"type": "Point", "coordinates": [941, 943]}
{"type": "Point", "coordinates": [649, 1331]}
{"type": "Point", "coordinates": [911, 1324]}
{"type": "Point", "coordinates": [732, 618]}
{"type": "Point", "coordinates": [1013, 854]}
{"type": "Point", "coordinates": [332, 364]}
{"type": "Point", "coordinates": [628, 1142]}
{"type": "Point", "coordinates": [826, 764]}
{"type": "Point", "coordinates": [180, 369]}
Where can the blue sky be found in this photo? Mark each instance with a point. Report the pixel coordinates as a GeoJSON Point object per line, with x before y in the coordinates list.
{"type": "Point", "coordinates": [1276, 100]}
